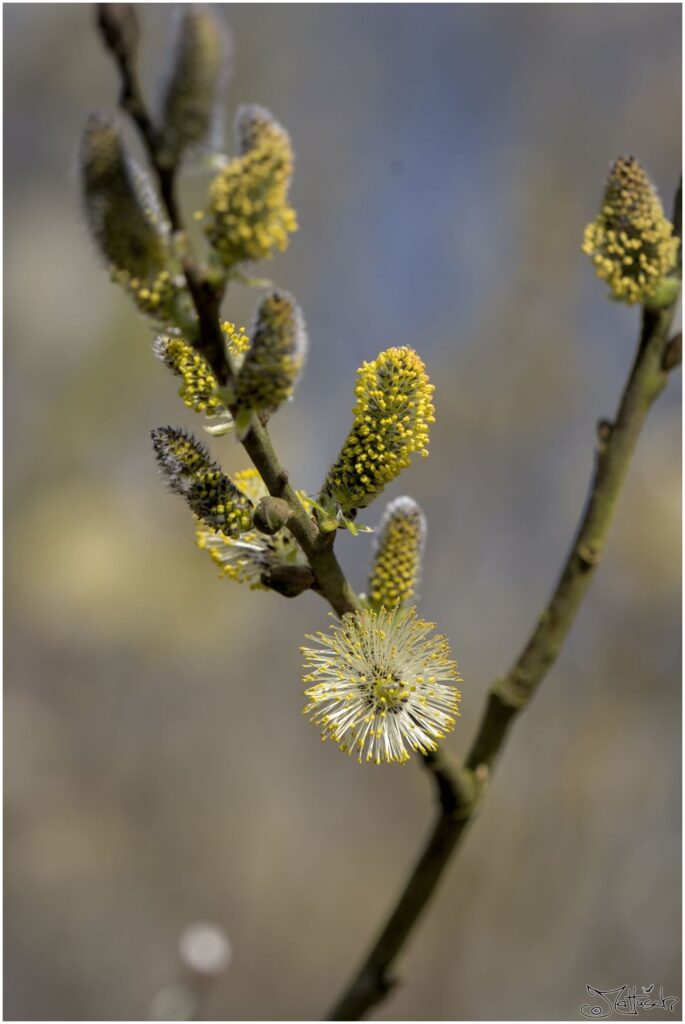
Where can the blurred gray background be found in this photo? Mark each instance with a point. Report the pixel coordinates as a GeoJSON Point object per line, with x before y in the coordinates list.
{"type": "Point", "coordinates": [158, 768]}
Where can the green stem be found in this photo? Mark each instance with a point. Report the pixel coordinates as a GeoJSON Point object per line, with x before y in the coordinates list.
{"type": "Point", "coordinates": [509, 695]}
{"type": "Point", "coordinates": [461, 792]}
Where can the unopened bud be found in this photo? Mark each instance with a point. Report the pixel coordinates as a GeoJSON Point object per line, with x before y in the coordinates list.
{"type": "Point", "coordinates": [271, 515]}
{"type": "Point", "coordinates": [119, 205]}
{"type": "Point", "coordinates": [199, 70]}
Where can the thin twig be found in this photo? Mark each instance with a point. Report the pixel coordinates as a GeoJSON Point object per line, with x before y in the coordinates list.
{"type": "Point", "coordinates": [461, 792]}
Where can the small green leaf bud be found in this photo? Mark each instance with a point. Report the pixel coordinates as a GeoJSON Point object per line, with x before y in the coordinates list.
{"type": "Point", "coordinates": [190, 472]}
{"type": "Point", "coordinates": [199, 71]}
{"type": "Point", "coordinates": [398, 553]}
{"type": "Point", "coordinates": [631, 242]}
{"type": "Point", "coordinates": [276, 354]}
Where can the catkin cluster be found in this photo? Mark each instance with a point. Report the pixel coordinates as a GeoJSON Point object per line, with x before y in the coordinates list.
{"type": "Point", "coordinates": [396, 568]}
{"type": "Point", "coordinates": [249, 216]}
{"type": "Point", "coordinates": [631, 242]}
{"type": "Point", "coordinates": [199, 390]}
{"type": "Point", "coordinates": [380, 684]}
{"type": "Point", "coordinates": [210, 494]}
{"type": "Point", "coordinates": [251, 557]}
{"type": "Point", "coordinates": [276, 354]}
{"type": "Point", "coordinates": [124, 218]}
{"type": "Point", "coordinates": [392, 415]}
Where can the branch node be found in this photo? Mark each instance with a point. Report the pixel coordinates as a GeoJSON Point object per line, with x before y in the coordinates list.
{"type": "Point", "coordinates": [589, 556]}
{"type": "Point", "coordinates": [604, 429]}
{"type": "Point", "coordinates": [456, 790]}
{"type": "Point", "coordinates": [510, 693]}
{"type": "Point", "coordinates": [673, 356]}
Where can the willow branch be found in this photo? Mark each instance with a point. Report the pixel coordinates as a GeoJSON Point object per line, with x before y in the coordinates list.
{"type": "Point", "coordinates": [460, 791]}
{"type": "Point", "coordinates": [616, 443]}
{"type": "Point", "coordinates": [327, 577]}
{"type": "Point", "coordinates": [317, 546]}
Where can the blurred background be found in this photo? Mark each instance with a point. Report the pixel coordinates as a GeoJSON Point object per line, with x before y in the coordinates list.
{"type": "Point", "coordinates": [158, 768]}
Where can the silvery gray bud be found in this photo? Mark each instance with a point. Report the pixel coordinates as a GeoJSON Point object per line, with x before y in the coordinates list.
{"type": "Point", "coordinates": [199, 71]}
{"type": "Point", "coordinates": [119, 205]}
{"type": "Point", "coordinates": [119, 27]}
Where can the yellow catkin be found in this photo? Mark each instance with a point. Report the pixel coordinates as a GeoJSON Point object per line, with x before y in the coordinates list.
{"type": "Point", "coordinates": [380, 685]}
{"type": "Point", "coordinates": [631, 242]}
{"type": "Point", "coordinates": [199, 389]}
{"type": "Point", "coordinates": [155, 296]}
{"type": "Point", "coordinates": [237, 340]}
{"type": "Point", "coordinates": [249, 217]}
{"type": "Point", "coordinates": [391, 421]}
{"type": "Point", "coordinates": [396, 566]}
{"type": "Point", "coordinates": [275, 356]}
{"type": "Point", "coordinates": [190, 472]}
